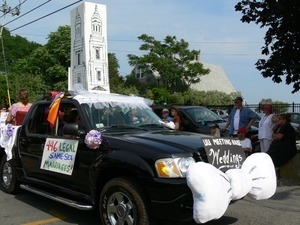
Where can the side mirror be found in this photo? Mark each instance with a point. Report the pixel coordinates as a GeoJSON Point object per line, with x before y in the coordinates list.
{"type": "Point", "coordinates": [71, 129]}
{"type": "Point", "coordinates": [203, 123]}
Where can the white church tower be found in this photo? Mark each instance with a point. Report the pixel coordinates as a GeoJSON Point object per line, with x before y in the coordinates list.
{"type": "Point", "coordinates": [89, 59]}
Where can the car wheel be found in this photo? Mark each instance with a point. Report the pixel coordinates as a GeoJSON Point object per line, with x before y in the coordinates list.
{"type": "Point", "coordinates": [9, 183]}
{"type": "Point", "coordinates": [123, 203]}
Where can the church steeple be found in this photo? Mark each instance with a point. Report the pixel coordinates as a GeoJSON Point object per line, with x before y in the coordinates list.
{"type": "Point", "coordinates": [96, 22]}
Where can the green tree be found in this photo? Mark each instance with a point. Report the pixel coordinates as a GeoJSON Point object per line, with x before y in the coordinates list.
{"type": "Point", "coordinates": [171, 61]}
{"type": "Point", "coordinates": [59, 45]}
{"type": "Point", "coordinates": [50, 61]}
{"type": "Point", "coordinates": [281, 39]}
{"type": "Point", "coordinates": [13, 49]}
{"type": "Point", "coordinates": [116, 82]}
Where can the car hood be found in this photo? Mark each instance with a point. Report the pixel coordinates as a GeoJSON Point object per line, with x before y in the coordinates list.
{"type": "Point", "coordinates": [159, 142]}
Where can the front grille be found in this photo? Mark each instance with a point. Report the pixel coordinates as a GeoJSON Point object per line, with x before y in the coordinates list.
{"type": "Point", "coordinates": [200, 155]}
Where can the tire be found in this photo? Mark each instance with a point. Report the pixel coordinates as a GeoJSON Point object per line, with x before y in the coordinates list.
{"type": "Point", "coordinates": [9, 183]}
{"type": "Point", "coordinates": [123, 203]}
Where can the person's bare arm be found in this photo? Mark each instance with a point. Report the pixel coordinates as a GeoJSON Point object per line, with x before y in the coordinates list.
{"type": "Point", "coordinates": [250, 124]}
{"type": "Point", "coordinates": [277, 136]}
{"type": "Point", "coordinates": [8, 118]}
{"type": "Point", "coordinates": [226, 125]}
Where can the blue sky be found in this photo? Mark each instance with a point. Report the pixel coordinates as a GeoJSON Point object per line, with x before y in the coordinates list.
{"type": "Point", "coordinates": [213, 27]}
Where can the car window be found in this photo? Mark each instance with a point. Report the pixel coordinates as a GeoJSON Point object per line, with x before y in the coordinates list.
{"type": "Point", "coordinates": [295, 118]}
{"type": "Point", "coordinates": [39, 123]}
{"type": "Point", "coordinates": [120, 116]}
{"type": "Point", "coordinates": [200, 114]}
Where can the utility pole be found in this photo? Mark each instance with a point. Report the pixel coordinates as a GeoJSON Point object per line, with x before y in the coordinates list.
{"type": "Point", "coordinates": [6, 9]}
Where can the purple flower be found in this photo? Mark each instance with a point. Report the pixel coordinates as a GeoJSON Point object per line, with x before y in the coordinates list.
{"type": "Point", "coordinates": [9, 130]}
{"type": "Point", "coordinates": [93, 139]}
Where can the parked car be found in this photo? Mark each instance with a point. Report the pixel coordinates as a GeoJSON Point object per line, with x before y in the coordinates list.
{"type": "Point", "coordinates": [199, 119]}
{"type": "Point", "coordinates": [295, 121]}
{"type": "Point", "coordinates": [121, 159]}
{"type": "Point", "coordinates": [221, 112]}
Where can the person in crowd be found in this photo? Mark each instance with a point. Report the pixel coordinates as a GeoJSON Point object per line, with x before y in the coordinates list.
{"type": "Point", "coordinates": [245, 142]}
{"type": "Point", "coordinates": [22, 105]}
{"type": "Point", "coordinates": [276, 121]}
{"type": "Point", "coordinates": [239, 117]}
{"type": "Point", "coordinates": [176, 117]}
{"type": "Point", "coordinates": [265, 128]}
{"type": "Point", "coordinates": [215, 130]}
{"type": "Point", "coordinates": [166, 115]}
{"type": "Point", "coordinates": [283, 146]}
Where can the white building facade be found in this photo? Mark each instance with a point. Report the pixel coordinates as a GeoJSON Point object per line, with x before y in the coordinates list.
{"type": "Point", "coordinates": [89, 54]}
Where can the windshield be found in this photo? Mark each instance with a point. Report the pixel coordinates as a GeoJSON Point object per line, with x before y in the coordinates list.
{"type": "Point", "coordinates": [129, 116]}
{"type": "Point", "coordinates": [203, 115]}
{"type": "Point", "coordinates": [116, 110]}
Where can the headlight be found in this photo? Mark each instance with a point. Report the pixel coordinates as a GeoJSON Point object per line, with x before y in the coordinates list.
{"type": "Point", "coordinates": [173, 167]}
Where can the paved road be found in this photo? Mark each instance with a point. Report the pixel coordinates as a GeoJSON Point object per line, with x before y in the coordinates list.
{"type": "Point", "coordinates": [29, 209]}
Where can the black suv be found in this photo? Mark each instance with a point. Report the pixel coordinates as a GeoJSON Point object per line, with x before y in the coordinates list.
{"type": "Point", "coordinates": [120, 159]}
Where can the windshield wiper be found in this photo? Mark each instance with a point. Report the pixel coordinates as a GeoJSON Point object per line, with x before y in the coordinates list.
{"type": "Point", "coordinates": [127, 127]}
{"type": "Point", "coordinates": [151, 125]}
{"type": "Point", "coordinates": [217, 121]}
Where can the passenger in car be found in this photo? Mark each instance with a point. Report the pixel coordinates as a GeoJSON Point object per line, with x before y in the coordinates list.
{"type": "Point", "coordinates": [176, 120]}
{"type": "Point", "coordinates": [73, 117]}
{"type": "Point", "coordinates": [165, 115]}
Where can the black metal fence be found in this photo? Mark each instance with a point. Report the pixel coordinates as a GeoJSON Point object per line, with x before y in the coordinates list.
{"type": "Point", "coordinates": [277, 108]}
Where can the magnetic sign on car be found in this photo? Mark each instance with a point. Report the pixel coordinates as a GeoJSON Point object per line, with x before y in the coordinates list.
{"type": "Point", "coordinates": [224, 153]}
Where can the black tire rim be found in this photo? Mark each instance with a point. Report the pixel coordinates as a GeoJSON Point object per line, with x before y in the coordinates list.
{"type": "Point", "coordinates": [7, 174]}
{"type": "Point", "coordinates": [120, 209]}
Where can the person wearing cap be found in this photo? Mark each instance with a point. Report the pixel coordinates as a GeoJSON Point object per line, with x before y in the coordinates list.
{"type": "Point", "coordinates": [176, 117]}
{"type": "Point", "coordinates": [166, 115]}
{"type": "Point", "coordinates": [239, 117]}
{"type": "Point", "coordinates": [245, 142]}
{"type": "Point", "coordinates": [215, 130]}
{"type": "Point", "coordinates": [265, 128]}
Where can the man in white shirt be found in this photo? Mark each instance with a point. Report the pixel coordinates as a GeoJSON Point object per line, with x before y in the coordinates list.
{"type": "Point", "coordinates": [239, 116]}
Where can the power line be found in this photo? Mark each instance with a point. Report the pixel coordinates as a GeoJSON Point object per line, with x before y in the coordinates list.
{"type": "Point", "coordinates": [226, 54]}
{"type": "Point", "coordinates": [45, 16]}
{"type": "Point", "coordinates": [27, 12]}
{"type": "Point", "coordinates": [199, 42]}
{"type": "Point", "coordinates": [14, 11]}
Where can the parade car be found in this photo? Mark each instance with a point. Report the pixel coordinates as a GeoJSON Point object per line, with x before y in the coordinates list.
{"type": "Point", "coordinates": [116, 156]}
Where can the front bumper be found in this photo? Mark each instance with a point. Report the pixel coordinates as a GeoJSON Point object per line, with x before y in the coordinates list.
{"type": "Point", "coordinates": [171, 199]}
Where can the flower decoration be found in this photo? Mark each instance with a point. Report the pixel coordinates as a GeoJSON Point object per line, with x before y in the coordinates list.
{"type": "Point", "coordinates": [9, 130]}
{"type": "Point", "coordinates": [93, 139]}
